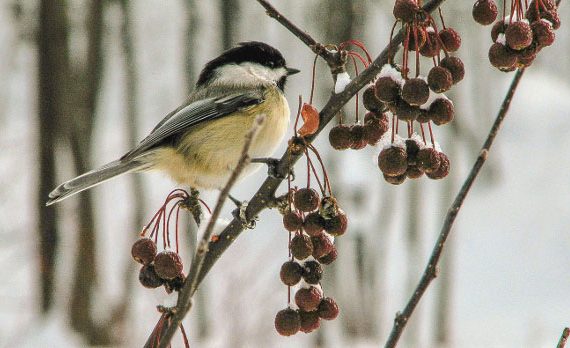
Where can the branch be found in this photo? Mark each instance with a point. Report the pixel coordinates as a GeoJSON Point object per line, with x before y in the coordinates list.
{"type": "Point", "coordinates": [563, 338]}
{"type": "Point", "coordinates": [431, 270]}
{"type": "Point", "coordinates": [265, 195]}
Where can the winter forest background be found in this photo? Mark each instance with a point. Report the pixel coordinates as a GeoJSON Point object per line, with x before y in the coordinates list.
{"type": "Point", "coordinates": [504, 280]}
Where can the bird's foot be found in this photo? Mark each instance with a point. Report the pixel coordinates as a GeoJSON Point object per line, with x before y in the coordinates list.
{"type": "Point", "coordinates": [273, 168]}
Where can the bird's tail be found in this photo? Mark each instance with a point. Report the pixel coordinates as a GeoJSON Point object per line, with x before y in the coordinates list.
{"type": "Point", "coordinates": [93, 178]}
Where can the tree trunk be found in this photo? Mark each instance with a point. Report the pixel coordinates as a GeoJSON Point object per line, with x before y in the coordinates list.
{"type": "Point", "coordinates": [53, 82]}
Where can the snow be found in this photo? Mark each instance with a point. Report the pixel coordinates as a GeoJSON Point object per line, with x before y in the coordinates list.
{"type": "Point", "coordinates": [390, 71]}
{"type": "Point", "coordinates": [342, 80]}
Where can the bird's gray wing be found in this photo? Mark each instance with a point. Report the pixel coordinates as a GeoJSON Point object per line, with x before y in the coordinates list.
{"type": "Point", "coordinates": [194, 114]}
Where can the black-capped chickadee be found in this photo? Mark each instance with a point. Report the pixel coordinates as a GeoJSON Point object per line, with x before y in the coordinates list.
{"type": "Point", "coordinates": [200, 143]}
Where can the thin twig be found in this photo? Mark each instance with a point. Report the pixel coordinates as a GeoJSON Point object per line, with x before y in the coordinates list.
{"type": "Point", "coordinates": [190, 284]}
{"type": "Point", "coordinates": [265, 195]}
{"type": "Point", "coordinates": [563, 338]}
{"type": "Point", "coordinates": [430, 271]}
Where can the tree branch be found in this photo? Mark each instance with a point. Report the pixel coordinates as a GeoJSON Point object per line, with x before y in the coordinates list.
{"type": "Point", "coordinates": [563, 338]}
{"type": "Point", "coordinates": [265, 195]}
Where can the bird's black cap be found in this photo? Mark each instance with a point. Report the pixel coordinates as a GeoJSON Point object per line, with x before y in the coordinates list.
{"type": "Point", "coordinates": [251, 51]}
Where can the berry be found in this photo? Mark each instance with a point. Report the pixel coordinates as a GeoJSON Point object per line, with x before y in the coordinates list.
{"type": "Point", "coordinates": [498, 28]}
{"type": "Point", "coordinates": [501, 57]}
{"type": "Point", "coordinates": [405, 10]}
{"type": "Point", "coordinates": [330, 257]}
{"type": "Point", "coordinates": [306, 199]}
{"type": "Point", "coordinates": [287, 322]}
{"type": "Point", "coordinates": [451, 39]}
{"type": "Point", "coordinates": [322, 246]}
{"type": "Point", "coordinates": [337, 225]}
{"type": "Point", "coordinates": [375, 128]}
{"type": "Point", "coordinates": [292, 221]}
{"type": "Point", "coordinates": [175, 284]}
{"type": "Point", "coordinates": [313, 272]}
{"type": "Point", "coordinates": [415, 91]}
{"type": "Point", "coordinates": [387, 89]}
{"type": "Point", "coordinates": [431, 47]}
{"type": "Point", "coordinates": [455, 67]}
{"type": "Point", "coordinates": [168, 264]}
{"type": "Point", "coordinates": [301, 247]}
{"type": "Point", "coordinates": [328, 309]}
{"type": "Point", "coordinates": [414, 172]}
{"type": "Point", "coordinates": [291, 273]}
{"type": "Point", "coordinates": [518, 35]}
{"type": "Point", "coordinates": [340, 137]}
{"type": "Point", "coordinates": [441, 111]}
{"type": "Point", "coordinates": [393, 161]}
{"type": "Point", "coordinates": [310, 321]}
{"type": "Point", "coordinates": [395, 180]}
{"type": "Point", "coordinates": [313, 224]}
{"type": "Point", "coordinates": [412, 149]}
{"type": "Point", "coordinates": [439, 79]}
{"type": "Point", "coordinates": [308, 299]}
{"type": "Point", "coordinates": [370, 101]}
{"type": "Point", "coordinates": [543, 33]}
{"type": "Point", "coordinates": [358, 137]}
{"type": "Point", "coordinates": [485, 11]}
{"type": "Point", "coordinates": [144, 251]}
{"type": "Point", "coordinates": [424, 116]}
{"type": "Point", "coordinates": [428, 159]}
{"type": "Point", "coordinates": [552, 17]}
{"type": "Point", "coordinates": [443, 169]}
{"type": "Point", "coordinates": [148, 277]}
{"type": "Point", "coordinates": [405, 111]}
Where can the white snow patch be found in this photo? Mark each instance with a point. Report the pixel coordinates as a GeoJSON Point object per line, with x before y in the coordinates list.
{"type": "Point", "coordinates": [342, 80]}
{"type": "Point", "coordinates": [433, 97]}
{"type": "Point", "coordinates": [501, 39]}
{"type": "Point", "coordinates": [390, 71]}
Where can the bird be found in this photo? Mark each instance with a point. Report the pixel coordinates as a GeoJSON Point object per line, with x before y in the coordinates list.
{"type": "Point", "coordinates": [200, 143]}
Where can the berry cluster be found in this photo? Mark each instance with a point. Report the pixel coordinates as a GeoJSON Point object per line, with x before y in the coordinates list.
{"type": "Point", "coordinates": [519, 36]}
{"type": "Point", "coordinates": [313, 223]}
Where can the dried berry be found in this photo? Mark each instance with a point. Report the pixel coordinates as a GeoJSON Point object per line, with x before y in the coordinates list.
{"type": "Point", "coordinates": [431, 47]}
{"type": "Point", "coordinates": [337, 225]}
{"type": "Point", "coordinates": [370, 101]}
{"type": "Point", "coordinates": [292, 221]}
{"type": "Point", "coordinates": [322, 245]}
{"type": "Point", "coordinates": [405, 10]}
{"type": "Point", "coordinates": [543, 33]}
{"type": "Point", "coordinates": [393, 161]}
{"type": "Point", "coordinates": [358, 137]}
{"type": "Point", "coordinates": [308, 299]}
{"type": "Point", "coordinates": [405, 111]}
{"type": "Point", "coordinates": [424, 116]}
{"type": "Point", "coordinates": [441, 111]}
{"type": "Point", "coordinates": [439, 79]}
{"type": "Point", "coordinates": [301, 246]}
{"type": "Point", "coordinates": [485, 11]}
{"type": "Point", "coordinates": [287, 322]}
{"type": "Point", "coordinates": [313, 272]}
{"type": "Point", "coordinates": [330, 257]}
{"type": "Point", "coordinates": [375, 128]}
{"type": "Point", "coordinates": [498, 28]}
{"type": "Point", "coordinates": [328, 309]}
{"type": "Point", "coordinates": [144, 251]}
{"type": "Point", "coordinates": [552, 17]}
{"type": "Point", "coordinates": [428, 159]}
{"type": "Point", "coordinates": [395, 180]}
{"type": "Point", "coordinates": [415, 91]}
{"type": "Point", "coordinates": [306, 199]}
{"type": "Point", "coordinates": [291, 273]}
{"type": "Point", "coordinates": [412, 149]}
{"type": "Point", "coordinates": [387, 89]}
{"type": "Point", "coordinates": [501, 56]}
{"type": "Point", "coordinates": [340, 137]}
{"type": "Point", "coordinates": [518, 35]}
{"type": "Point", "coordinates": [414, 172]}
{"type": "Point", "coordinates": [443, 169]}
{"type": "Point", "coordinates": [313, 224]}
{"type": "Point", "coordinates": [168, 264]}
{"type": "Point", "coordinates": [148, 277]}
{"type": "Point", "coordinates": [310, 321]}
{"type": "Point", "coordinates": [455, 67]}
{"type": "Point", "coordinates": [450, 39]}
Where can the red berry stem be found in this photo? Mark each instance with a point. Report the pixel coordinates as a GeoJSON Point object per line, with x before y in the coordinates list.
{"type": "Point", "coordinates": [356, 72]}
{"type": "Point", "coordinates": [313, 80]}
{"type": "Point", "coordinates": [431, 135]}
{"type": "Point", "coordinates": [205, 206]}
{"type": "Point", "coordinates": [441, 17]}
{"type": "Point", "coordinates": [298, 114]}
{"type": "Point", "coordinates": [184, 336]}
{"type": "Point", "coordinates": [417, 50]}
{"type": "Point", "coordinates": [325, 174]}
{"type": "Point", "coordinates": [390, 55]}
{"type": "Point", "coordinates": [423, 133]}
{"type": "Point", "coordinates": [393, 127]}
{"type": "Point", "coordinates": [312, 167]}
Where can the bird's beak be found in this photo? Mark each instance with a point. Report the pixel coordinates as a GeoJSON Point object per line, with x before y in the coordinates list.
{"type": "Point", "coordinates": [291, 71]}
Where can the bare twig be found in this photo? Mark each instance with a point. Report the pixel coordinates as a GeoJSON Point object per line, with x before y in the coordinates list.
{"type": "Point", "coordinates": [430, 271]}
{"type": "Point", "coordinates": [265, 195]}
{"type": "Point", "coordinates": [563, 338]}
{"type": "Point", "coordinates": [191, 283]}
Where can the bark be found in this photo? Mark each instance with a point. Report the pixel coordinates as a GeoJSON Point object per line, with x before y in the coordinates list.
{"type": "Point", "coordinates": [230, 11]}
{"type": "Point", "coordinates": [52, 82]}
{"type": "Point", "coordinates": [190, 42]}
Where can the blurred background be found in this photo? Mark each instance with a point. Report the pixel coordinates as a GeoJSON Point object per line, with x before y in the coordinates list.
{"type": "Point", "coordinates": [82, 81]}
